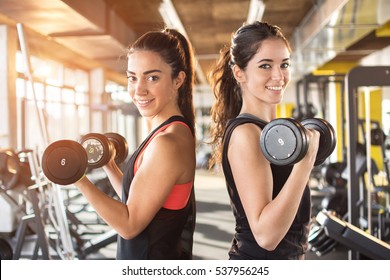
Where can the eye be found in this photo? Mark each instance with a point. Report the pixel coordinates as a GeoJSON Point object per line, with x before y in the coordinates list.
{"type": "Point", "coordinates": [131, 78]}
{"type": "Point", "coordinates": [285, 65]}
{"type": "Point", "coordinates": [153, 78]}
{"type": "Point", "coordinates": [265, 66]}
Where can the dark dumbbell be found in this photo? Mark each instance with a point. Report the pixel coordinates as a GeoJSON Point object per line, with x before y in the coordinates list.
{"type": "Point", "coordinates": [65, 162]}
{"type": "Point", "coordinates": [100, 147]}
{"type": "Point", "coordinates": [284, 141]}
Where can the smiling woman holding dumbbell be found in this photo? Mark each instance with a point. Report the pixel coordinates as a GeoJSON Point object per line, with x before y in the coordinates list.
{"type": "Point", "coordinates": [270, 202]}
{"type": "Point", "coordinates": [156, 217]}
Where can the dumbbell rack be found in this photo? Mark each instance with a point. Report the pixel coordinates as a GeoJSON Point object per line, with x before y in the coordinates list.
{"type": "Point", "coordinates": [35, 221]}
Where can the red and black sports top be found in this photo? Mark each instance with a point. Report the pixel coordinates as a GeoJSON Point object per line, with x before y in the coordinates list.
{"type": "Point", "coordinates": [170, 233]}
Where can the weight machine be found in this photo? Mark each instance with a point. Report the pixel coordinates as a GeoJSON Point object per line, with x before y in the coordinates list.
{"type": "Point", "coordinates": [355, 174]}
{"type": "Point", "coordinates": [353, 237]}
{"type": "Point", "coordinates": [359, 77]}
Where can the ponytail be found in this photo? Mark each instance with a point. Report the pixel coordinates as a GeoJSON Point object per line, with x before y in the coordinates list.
{"type": "Point", "coordinates": [185, 99]}
{"type": "Point", "coordinates": [227, 104]}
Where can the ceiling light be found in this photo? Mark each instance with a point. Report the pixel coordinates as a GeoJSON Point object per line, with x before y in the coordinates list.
{"type": "Point", "coordinates": [172, 20]}
{"type": "Point", "coordinates": [256, 11]}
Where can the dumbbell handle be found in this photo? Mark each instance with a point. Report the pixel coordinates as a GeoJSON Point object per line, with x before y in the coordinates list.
{"type": "Point", "coordinates": [327, 137]}
{"type": "Point", "coordinates": [284, 141]}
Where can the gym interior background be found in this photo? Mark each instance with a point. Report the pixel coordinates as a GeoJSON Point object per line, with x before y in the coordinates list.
{"type": "Point", "coordinates": [63, 76]}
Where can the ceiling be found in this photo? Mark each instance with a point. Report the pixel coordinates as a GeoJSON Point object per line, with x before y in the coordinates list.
{"type": "Point", "coordinates": [96, 32]}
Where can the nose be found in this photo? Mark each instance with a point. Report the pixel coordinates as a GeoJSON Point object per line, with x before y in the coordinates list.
{"type": "Point", "coordinates": [140, 88]}
{"type": "Point", "coordinates": [277, 74]}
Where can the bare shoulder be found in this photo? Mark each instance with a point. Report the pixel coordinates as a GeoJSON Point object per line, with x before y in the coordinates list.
{"type": "Point", "coordinates": [176, 141]}
{"type": "Point", "coordinates": [177, 135]}
{"type": "Point", "coordinates": [246, 134]}
{"type": "Point", "coordinates": [173, 151]}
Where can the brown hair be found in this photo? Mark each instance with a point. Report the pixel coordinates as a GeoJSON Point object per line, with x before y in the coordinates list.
{"type": "Point", "coordinates": [176, 51]}
{"type": "Point", "coordinates": [245, 42]}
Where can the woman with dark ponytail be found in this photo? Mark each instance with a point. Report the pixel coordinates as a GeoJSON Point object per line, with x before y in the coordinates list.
{"type": "Point", "coordinates": [271, 204]}
{"type": "Point", "coordinates": [155, 218]}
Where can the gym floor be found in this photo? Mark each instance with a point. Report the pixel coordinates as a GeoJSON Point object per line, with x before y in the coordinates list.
{"type": "Point", "coordinates": [215, 224]}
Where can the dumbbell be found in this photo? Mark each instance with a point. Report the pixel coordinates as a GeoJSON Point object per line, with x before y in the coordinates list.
{"type": "Point", "coordinates": [284, 141]}
{"type": "Point", "coordinates": [64, 162]}
{"type": "Point", "coordinates": [9, 169]}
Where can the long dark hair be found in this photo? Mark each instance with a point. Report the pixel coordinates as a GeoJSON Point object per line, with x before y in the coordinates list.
{"type": "Point", "coordinates": [176, 51]}
{"type": "Point", "coordinates": [245, 42]}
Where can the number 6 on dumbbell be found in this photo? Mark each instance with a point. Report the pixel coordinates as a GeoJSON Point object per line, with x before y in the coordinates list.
{"type": "Point", "coordinates": [284, 141]}
{"type": "Point", "coordinates": [65, 162]}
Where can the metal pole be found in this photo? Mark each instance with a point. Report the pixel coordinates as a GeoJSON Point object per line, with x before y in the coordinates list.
{"type": "Point", "coordinates": [368, 155]}
{"type": "Point", "coordinates": [64, 233]}
{"type": "Point", "coordinates": [28, 73]}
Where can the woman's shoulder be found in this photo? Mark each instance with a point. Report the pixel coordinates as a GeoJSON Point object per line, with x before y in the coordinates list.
{"type": "Point", "coordinates": [175, 137]}
{"type": "Point", "coordinates": [246, 133]}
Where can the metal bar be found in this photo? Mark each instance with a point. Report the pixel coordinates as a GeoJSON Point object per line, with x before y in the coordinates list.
{"type": "Point", "coordinates": [42, 239]}
{"type": "Point", "coordinates": [367, 100]}
{"type": "Point", "coordinates": [28, 73]}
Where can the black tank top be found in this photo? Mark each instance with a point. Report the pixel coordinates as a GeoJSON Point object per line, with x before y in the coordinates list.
{"type": "Point", "coordinates": [170, 234]}
{"type": "Point", "coordinates": [244, 245]}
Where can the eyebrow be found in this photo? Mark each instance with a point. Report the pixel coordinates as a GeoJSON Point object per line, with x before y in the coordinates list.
{"type": "Point", "coordinates": [144, 73]}
{"type": "Point", "coordinates": [270, 60]}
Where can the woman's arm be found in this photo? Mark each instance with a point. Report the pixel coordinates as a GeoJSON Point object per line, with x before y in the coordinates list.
{"type": "Point", "coordinates": [115, 175]}
{"type": "Point", "coordinates": [165, 163]}
{"type": "Point", "coordinates": [268, 218]}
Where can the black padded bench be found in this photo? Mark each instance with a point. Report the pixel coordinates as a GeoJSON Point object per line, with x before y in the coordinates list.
{"type": "Point", "coordinates": [353, 237]}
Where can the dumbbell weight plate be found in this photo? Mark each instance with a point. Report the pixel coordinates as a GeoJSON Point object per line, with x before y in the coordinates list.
{"type": "Point", "coordinates": [9, 169]}
{"type": "Point", "coordinates": [377, 136]}
{"type": "Point", "coordinates": [6, 252]}
{"type": "Point", "coordinates": [64, 162]}
{"type": "Point", "coordinates": [327, 138]}
{"type": "Point", "coordinates": [283, 141]}
{"type": "Point", "coordinates": [120, 144]}
{"type": "Point", "coordinates": [332, 173]}
{"type": "Point", "coordinates": [98, 149]}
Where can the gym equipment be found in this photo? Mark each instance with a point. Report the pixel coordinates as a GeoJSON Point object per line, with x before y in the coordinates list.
{"type": "Point", "coordinates": [319, 242]}
{"type": "Point", "coordinates": [333, 174]}
{"type": "Point", "coordinates": [100, 147]}
{"type": "Point", "coordinates": [5, 250]}
{"type": "Point", "coordinates": [64, 237]}
{"type": "Point", "coordinates": [284, 141]}
{"type": "Point", "coordinates": [304, 111]}
{"type": "Point", "coordinates": [353, 237]}
{"type": "Point", "coordinates": [9, 169]}
{"type": "Point", "coordinates": [64, 162]}
{"type": "Point", "coordinates": [361, 76]}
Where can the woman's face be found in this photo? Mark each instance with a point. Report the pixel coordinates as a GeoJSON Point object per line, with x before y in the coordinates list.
{"type": "Point", "coordinates": [267, 73]}
{"type": "Point", "coordinates": [150, 84]}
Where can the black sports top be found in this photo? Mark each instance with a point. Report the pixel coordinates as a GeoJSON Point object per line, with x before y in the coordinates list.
{"type": "Point", "coordinates": [244, 245]}
{"type": "Point", "coordinates": [170, 233]}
